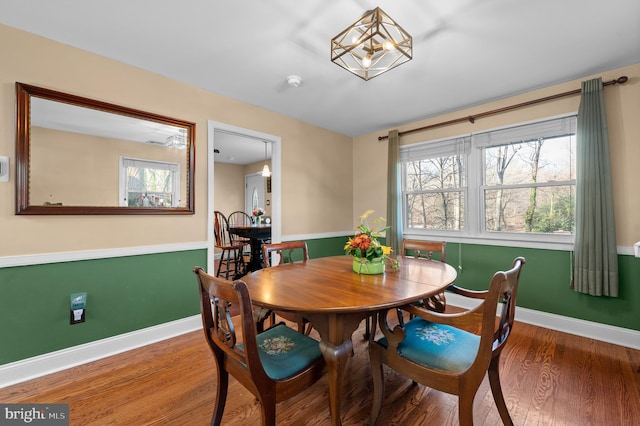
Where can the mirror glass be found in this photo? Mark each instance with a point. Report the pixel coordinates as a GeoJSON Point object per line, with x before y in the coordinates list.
{"type": "Point", "coordinates": [80, 156]}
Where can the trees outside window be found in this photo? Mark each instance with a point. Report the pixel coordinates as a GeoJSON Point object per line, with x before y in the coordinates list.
{"type": "Point", "coordinates": [146, 183]}
{"type": "Point", "coordinates": [518, 180]}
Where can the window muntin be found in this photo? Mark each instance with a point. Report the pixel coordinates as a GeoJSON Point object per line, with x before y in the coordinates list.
{"type": "Point", "coordinates": [146, 183]}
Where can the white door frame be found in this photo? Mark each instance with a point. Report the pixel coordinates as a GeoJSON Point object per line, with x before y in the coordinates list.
{"type": "Point", "coordinates": [276, 182]}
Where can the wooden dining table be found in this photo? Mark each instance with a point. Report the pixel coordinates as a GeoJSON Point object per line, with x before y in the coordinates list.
{"type": "Point", "coordinates": [335, 300]}
{"type": "Point", "coordinates": [257, 234]}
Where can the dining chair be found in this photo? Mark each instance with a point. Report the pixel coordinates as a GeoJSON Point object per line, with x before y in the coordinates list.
{"type": "Point", "coordinates": [273, 365]}
{"type": "Point", "coordinates": [240, 218]}
{"type": "Point", "coordinates": [421, 250]}
{"type": "Point", "coordinates": [436, 349]}
{"type": "Point", "coordinates": [231, 259]}
{"type": "Point", "coordinates": [275, 254]}
{"type": "Point", "coordinates": [425, 250]}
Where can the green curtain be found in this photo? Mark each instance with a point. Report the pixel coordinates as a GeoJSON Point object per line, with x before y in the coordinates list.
{"type": "Point", "coordinates": [595, 267]}
{"type": "Point", "coordinates": [394, 194]}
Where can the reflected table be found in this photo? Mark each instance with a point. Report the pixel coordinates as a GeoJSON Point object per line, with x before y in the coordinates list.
{"type": "Point", "coordinates": [335, 299]}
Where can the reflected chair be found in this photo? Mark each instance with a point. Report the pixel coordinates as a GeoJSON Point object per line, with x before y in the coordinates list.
{"type": "Point", "coordinates": [231, 259]}
{"type": "Point", "coordinates": [273, 365]}
{"type": "Point", "coordinates": [278, 253]}
{"type": "Point", "coordinates": [434, 349]}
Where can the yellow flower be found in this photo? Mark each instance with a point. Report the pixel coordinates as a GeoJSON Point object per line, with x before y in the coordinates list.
{"type": "Point", "coordinates": [386, 250]}
{"type": "Point", "coordinates": [365, 215]}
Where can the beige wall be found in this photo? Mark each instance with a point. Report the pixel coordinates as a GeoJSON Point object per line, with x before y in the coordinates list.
{"type": "Point", "coordinates": [228, 187]}
{"type": "Point", "coordinates": [623, 117]}
{"type": "Point", "coordinates": [316, 175]}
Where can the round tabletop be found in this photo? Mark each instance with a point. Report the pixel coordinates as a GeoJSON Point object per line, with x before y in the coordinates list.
{"type": "Point", "coordinates": [329, 285]}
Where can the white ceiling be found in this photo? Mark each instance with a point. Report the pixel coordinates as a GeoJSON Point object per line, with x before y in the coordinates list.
{"type": "Point", "coordinates": [466, 52]}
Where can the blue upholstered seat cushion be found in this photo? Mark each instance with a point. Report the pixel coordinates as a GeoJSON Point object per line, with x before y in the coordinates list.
{"type": "Point", "coordinates": [284, 351]}
{"type": "Point", "coordinates": [437, 345]}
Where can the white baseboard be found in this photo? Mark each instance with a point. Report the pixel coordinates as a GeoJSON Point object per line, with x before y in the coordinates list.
{"type": "Point", "coordinates": [21, 371]}
{"type": "Point", "coordinates": [31, 368]}
{"type": "Point", "coordinates": [593, 330]}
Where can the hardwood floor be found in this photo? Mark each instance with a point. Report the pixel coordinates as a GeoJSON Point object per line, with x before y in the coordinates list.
{"type": "Point", "coordinates": [548, 378]}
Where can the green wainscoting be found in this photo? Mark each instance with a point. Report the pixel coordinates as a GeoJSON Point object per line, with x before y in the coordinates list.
{"type": "Point", "coordinates": [135, 292]}
{"type": "Point", "coordinates": [124, 294]}
{"type": "Point", "coordinates": [544, 284]}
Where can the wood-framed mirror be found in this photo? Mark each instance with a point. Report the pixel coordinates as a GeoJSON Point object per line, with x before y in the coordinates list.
{"type": "Point", "coordinates": [76, 155]}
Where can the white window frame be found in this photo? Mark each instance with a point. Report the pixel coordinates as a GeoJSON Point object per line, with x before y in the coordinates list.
{"type": "Point", "coordinates": [474, 231]}
{"type": "Point", "coordinates": [126, 162]}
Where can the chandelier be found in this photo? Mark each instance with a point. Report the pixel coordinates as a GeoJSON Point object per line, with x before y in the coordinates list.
{"type": "Point", "coordinates": [372, 45]}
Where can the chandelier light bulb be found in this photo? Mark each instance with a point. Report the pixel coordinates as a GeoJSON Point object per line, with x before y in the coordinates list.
{"type": "Point", "coordinates": [366, 61]}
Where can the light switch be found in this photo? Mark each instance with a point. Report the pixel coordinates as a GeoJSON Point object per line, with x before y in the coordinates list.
{"type": "Point", "coordinates": [4, 169]}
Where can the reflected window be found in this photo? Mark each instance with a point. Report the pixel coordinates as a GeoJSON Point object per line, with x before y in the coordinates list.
{"type": "Point", "coordinates": [146, 183]}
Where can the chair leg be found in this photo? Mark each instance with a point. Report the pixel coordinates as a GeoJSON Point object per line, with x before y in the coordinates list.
{"type": "Point", "coordinates": [221, 395]}
{"type": "Point", "coordinates": [496, 390]}
{"type": "Point", "coordinates": [378, 382]}
{"type": "Point", "coordinates": [400, 317]}
{"type": "Point", "coordinates": [219, 265]}
{"type": "Point", "coordinates": [465, 407]}
{"type": "Point", "coordinates": [367, 326]}
{"type": "Point", "coordinates": [268, 408]}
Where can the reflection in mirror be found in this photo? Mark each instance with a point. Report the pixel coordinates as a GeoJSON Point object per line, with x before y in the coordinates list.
{"type": "Point", "coordinates": [80, 156]}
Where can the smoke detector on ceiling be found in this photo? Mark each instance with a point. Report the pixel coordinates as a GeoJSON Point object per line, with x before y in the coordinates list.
{"type": "Point", "coordinates": [294, 80]}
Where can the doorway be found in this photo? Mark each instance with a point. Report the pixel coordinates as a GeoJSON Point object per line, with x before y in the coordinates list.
{"type": "Point", "coordinates": [218, 128]}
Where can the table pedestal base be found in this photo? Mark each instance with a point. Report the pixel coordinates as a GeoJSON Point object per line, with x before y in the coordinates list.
{"type": "Point", "coordinates": [336, 346]}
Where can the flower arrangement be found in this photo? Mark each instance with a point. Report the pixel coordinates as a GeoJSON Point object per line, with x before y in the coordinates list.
{"type": "Point", "coordinates": [364, 245]}
{"type": "Point", "coordinates": [258, 211]}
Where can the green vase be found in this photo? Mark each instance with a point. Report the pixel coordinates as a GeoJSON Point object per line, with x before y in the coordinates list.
{"type": "Point", "coordinates": [363, 266]}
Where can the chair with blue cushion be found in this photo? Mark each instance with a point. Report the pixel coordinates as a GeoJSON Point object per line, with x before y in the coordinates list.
{"type": "Point", "coordinates": [273, 365]}
{"type": "Point", "coordinates": [451, 352]}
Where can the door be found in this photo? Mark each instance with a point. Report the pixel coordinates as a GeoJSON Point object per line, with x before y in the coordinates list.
{"type": "Point", "coordinates": [254, 195]}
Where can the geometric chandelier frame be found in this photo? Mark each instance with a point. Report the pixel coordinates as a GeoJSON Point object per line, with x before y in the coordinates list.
{"type": "Point", "coordinates": [372, 45]}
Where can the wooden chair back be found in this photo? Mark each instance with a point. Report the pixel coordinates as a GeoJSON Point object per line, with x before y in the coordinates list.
{"type": "Point", "coordinates": [275, 254]}
{"type": "Point", "coordinates": [238, 350]}
{"type": "Point", "coordinates": [458, 365]}
{"type": "Point", "coordinates": [425, 249]}
{"type": "Point", "coordinates": [221, 230]}
{"type": "Point", "coordinates": [239, 218]}
{"type": "Point", "coordinates": [231, 262]}
{"type": "Point", "coordinates": [285, 252]}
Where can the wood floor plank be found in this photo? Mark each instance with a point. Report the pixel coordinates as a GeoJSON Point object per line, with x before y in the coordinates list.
{"type": "Point", "coordinates": [549, 378]}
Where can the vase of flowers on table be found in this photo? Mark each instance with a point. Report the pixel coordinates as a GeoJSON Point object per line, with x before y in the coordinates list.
{"type": "Point", "coordinates": [369, 256]}
{"type": "Point", "coordinates": [258, 212]}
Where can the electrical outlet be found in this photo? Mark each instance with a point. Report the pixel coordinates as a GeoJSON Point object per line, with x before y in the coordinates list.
{"type": "Point", "coordinates": [78, 308]}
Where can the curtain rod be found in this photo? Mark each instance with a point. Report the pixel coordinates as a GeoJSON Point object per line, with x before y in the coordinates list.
{"type": "Point", "coordinates": [472, 118]}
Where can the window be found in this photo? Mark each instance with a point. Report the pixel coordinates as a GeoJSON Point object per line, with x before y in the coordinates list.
{"type": "Point", "coordinates": [434, 180]}
{"type": "Point", "coordinates": [514, 183]}
{"type": "Point", "coordinates": [146, 183]}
